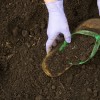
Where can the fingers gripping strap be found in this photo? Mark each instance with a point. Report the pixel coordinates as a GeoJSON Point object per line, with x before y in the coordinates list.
{"type": "Point", "coordinates": [95, 48]}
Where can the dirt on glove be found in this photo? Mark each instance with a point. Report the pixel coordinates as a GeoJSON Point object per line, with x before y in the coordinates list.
{"type": "Point", "coordinates": [23, 25]}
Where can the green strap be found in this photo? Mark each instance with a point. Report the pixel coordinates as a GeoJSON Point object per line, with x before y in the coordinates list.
{"type": "Point", "coordinates": [95, 48]}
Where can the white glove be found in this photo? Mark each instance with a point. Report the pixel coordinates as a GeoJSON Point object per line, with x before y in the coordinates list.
{"type": "Point", "coordinates": [57, 24]}
{"type": "Point", "coordinates": [98, 4]}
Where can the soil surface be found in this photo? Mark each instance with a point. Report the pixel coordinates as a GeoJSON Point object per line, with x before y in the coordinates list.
{"type": "Point", "coordinates": [23, 25]}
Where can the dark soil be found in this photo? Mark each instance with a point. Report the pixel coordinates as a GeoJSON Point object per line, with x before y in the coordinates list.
{"type": "Point", "coordinates": [23, 25]}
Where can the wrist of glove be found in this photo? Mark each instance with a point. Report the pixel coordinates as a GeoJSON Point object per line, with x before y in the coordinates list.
{"type": "Point", "coordinates": [98, 4]}
{"type": "Point", "coordinates": [57, 24]}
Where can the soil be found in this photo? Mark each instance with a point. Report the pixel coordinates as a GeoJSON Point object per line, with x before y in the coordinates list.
{"type": "Point", "coordinates": [23, 25]}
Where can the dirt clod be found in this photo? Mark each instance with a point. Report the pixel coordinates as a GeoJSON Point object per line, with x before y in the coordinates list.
{"type": "Point", "coordinates": [25, 33]}
{"type": "Point", "coordinates": [89, 90]}
{"type": "Point", "coordinates": [39, 97]}
{"type": "Point", "coordinates": [15, 31]}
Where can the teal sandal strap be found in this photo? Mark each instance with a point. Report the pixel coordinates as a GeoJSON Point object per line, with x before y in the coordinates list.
{"type": "Point", "coordinates": [95, 48]}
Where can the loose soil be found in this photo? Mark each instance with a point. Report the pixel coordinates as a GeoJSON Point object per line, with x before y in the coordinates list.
{"type": "Point", "coordinates": [23, 25]}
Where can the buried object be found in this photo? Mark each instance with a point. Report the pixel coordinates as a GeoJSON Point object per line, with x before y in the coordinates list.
{"type": "Point", "coordinates": [85, 43]}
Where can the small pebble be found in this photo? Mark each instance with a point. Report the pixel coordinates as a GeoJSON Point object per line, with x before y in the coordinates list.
{"type": "Point", "coordinates": [15, 31]}
{"type": "Point", "coordinates": [95, 92]}
{"type": "Point", "coordinates": [89, 90]}
{"type": "Point", "coordinates": [25, 33]}
{"type": "Point", "coordinates": [8, 45]}
{"type": "Point", "coordinates": [87, 82]}
{"type": "Point", "coordinates": [32, 33]}
{"type": "Point", "coordinates": [39, 97]}
{"type": "Point", "coordinates": [53, 87]}
{"type": "Point", "coordinates": [28, 45]}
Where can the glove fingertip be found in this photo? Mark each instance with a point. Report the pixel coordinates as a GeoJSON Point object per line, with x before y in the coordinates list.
{"type": "Point", "coordinates": [68, 40]}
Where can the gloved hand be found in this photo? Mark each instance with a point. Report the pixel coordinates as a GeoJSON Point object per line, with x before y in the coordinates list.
{"type": "Point", "coordinates": [98, 4]}
{"type": "Point", "coordinates": [57, 24]}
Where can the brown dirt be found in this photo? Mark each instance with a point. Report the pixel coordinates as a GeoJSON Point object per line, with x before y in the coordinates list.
{"type": "Point", "coordinates": [23, 25]}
